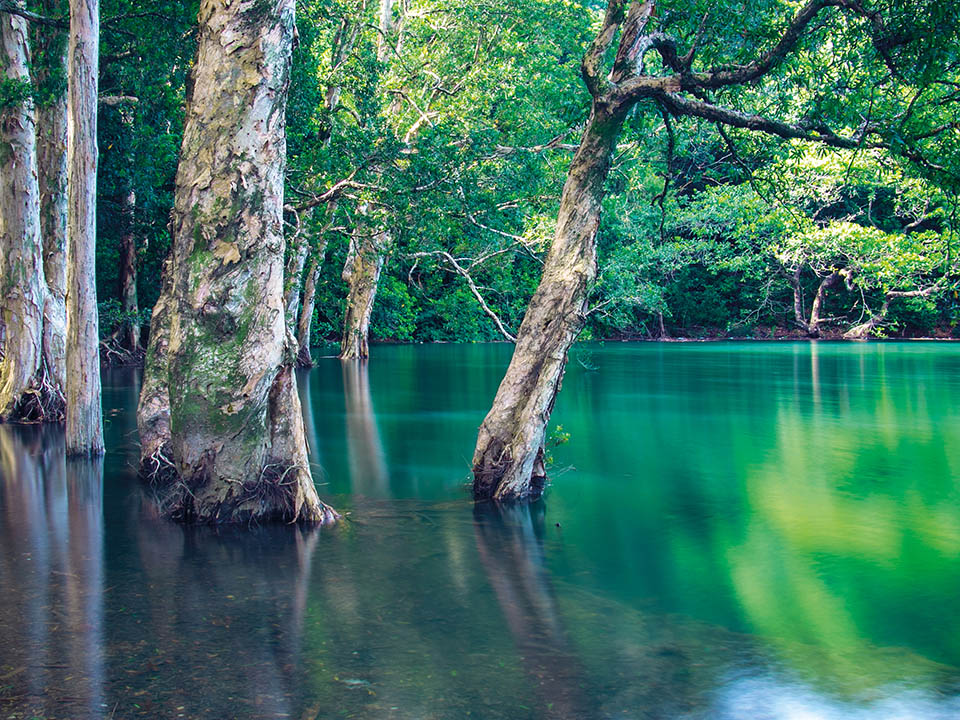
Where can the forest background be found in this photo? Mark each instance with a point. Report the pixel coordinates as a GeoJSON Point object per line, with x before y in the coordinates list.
{"type": "Point", "coordinates": [428, 144]}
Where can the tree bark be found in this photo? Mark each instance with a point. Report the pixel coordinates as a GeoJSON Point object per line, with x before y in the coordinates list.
{"type": "Point", "coordinates": [50, 76]}
{"type": "Point", "coordinates": [813, 327]}
{"type": "Point", "coordinates": [153, 411]}
{"type": "Point", "coordinates": [130, 329]}
{"type": "Point", "coordinates": [83, 413]}
{"type": "Point", "coordinates": [235, 439]}
{"type": "Point", "coordinates": [361, 272]}
{"type": "Point", "coordinates": [508, 461]}
{"type": "Point", "coordinates": [29, 387]}
{"type": "Point", "coordinates": [294, 276]}
{"type": "Point", "coordinates": [305, 323]}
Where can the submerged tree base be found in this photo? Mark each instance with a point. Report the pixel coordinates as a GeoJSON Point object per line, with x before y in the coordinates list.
{"type": "Point", "coordinates": [277, 495]}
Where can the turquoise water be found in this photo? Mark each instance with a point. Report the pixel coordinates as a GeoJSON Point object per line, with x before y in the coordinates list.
{"type": "Point", "coordinates": [733, 530]}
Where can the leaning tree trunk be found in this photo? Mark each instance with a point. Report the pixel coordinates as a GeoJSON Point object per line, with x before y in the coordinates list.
{"type": "Point", "coordinates": [84, 414]}
{"type": "Point", "coordinates": [130, 329]}
{"type": "Point", "coordinates": [236, 442]}
{"type": "Point", "coordinates": [305, 323]}
{"type": "Point", "coordinates": [50, 63]}
{"type": "Point", "coordinates": [508, 461]}
{"type": "Point", "coordinates": [29, 390]}
{"type": "Point", "coordinates": [362, 274]}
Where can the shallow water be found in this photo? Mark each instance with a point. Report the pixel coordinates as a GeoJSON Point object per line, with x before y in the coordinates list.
{"type": "Point", "coordinates": [732, 531]}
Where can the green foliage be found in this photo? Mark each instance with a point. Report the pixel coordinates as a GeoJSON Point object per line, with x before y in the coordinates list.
{"type": "Point", "coordinates": [455, 136]}
{"type": "Point", "coordinates": [14, 92]}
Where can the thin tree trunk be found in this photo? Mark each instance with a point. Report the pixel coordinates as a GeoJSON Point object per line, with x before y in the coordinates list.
{"type": "Point", "coordinates": [130, 329]}
{"type": "Point", "coordinates": [361, 272]}
{"type": "Point", "coordinates": [799, 315]}
{"type": "Point", "coordinates": [29, 390]}
{"type": "Point", "coordinates": [51, 75]}
{"type": "Point", "coordinates": [84, 414]}
{"type": "Point", "coordinates": [305, 323]}
{"type": "Point", "coordinates": [236, 441]}
{"type": "Point", "coordinates": [294, 276]}
{"type": "Point", "coordinates": [508, 461]}
{"type": "Point", "coordinates": [813, 327]}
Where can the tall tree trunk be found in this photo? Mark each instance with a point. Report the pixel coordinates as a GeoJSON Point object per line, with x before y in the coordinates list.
{"type": "Point", "coordinates": [84, 414]}
{"type": "Point", "coordinates": [361, 272]}
{"type": "Point", "coordinates": [508, 461]}
{"type": "Point", "coordinates": [50, 74]}
{"type": "Point", "coordinates": [130, 329]}
{"type": "Point", "coordinates": [305, 323]}
{"type": "Point", "coordinates": [236, 442]}
{"type": "Point", "coordinates": [29, 390]}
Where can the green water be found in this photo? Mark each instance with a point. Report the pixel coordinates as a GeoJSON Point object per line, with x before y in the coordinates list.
{"type": "Point", "coordinates": [732, 531]}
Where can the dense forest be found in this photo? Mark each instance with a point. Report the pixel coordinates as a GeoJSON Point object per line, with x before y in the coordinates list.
{"type": "Point", "coordinates": [271, 175]}
{"type": "Point", "coordinates": [428, 144]}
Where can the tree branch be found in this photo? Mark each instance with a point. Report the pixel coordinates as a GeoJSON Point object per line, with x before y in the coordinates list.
{"type": "Point", "coordinates": [14, 8]}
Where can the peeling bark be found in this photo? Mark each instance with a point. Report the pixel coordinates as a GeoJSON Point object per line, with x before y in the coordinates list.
{"type": "Point", "coordinates": [361, 272]}
{"type": "Point", "coordinates": [83, 414]}
{"type": "Point", "coordinates": [508, 461]}
{"type": "Point", "coordinates": [29, 377]}
{"type": "Point", "coordinates": [219, 399]}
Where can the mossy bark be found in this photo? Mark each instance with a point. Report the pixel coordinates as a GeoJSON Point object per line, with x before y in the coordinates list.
{"type": "Point", "coordinates": [30, 388]}
{"type": "Point", "coordinates": [220, 351]}
{"type": "Point", "coordinates": [508, 460]}
{"type": "Point", "coordinates": [84, 414]}
{"type": "Point", "coordinates": [361, 272]}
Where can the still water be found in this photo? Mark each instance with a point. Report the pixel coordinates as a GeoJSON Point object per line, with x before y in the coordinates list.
{"type": "Point", "coordinates": [733, 531]}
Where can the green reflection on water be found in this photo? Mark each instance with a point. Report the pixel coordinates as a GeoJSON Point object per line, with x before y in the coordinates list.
{"type": "Point", "coordinates": [733, 530]}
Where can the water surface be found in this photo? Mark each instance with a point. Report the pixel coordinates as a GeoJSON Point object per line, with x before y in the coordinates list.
{"type": "Point", "coordinates": [732, 531]}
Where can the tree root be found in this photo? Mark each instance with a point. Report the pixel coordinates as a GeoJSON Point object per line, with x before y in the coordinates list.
{"type": "Point", "coordinates": [273, 496]}
{"type": "Point", "coordinates": [113, 354]}
{"type": "Point", "coordinates": [43, 402]}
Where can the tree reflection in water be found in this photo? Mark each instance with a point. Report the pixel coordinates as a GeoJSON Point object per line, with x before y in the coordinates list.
{"type": "Point", "coordinates": [51, 572]}
{"type": "Point", "coordinates": [509, 543]}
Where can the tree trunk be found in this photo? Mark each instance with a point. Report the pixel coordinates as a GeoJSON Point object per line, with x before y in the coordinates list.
{"type": "Point", "coordinates": [799, 314]}
{"type": "Point", "coordinates": [130, 329]}
{"type": "Point", "coordinates": [153, 411]}
{"type": "Point", "coordinates": [50, 75]}
{"type": "Point", "coordinates": [29, 390]}
{"type": "Point", "coordinates": [508, 461]}
{"type": "Point", "coordinates": [84, 415]}
{"type": "Point", "coordinates": [305, 322]}
{"type": "Point", "coordinates": [294, 276]}
{"type": "Point", "coordinates": [361, 272]}
{"type": "Point", "coordinates": [236, 442]}
{"type": "Point", "coordinates": [813, 327]}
